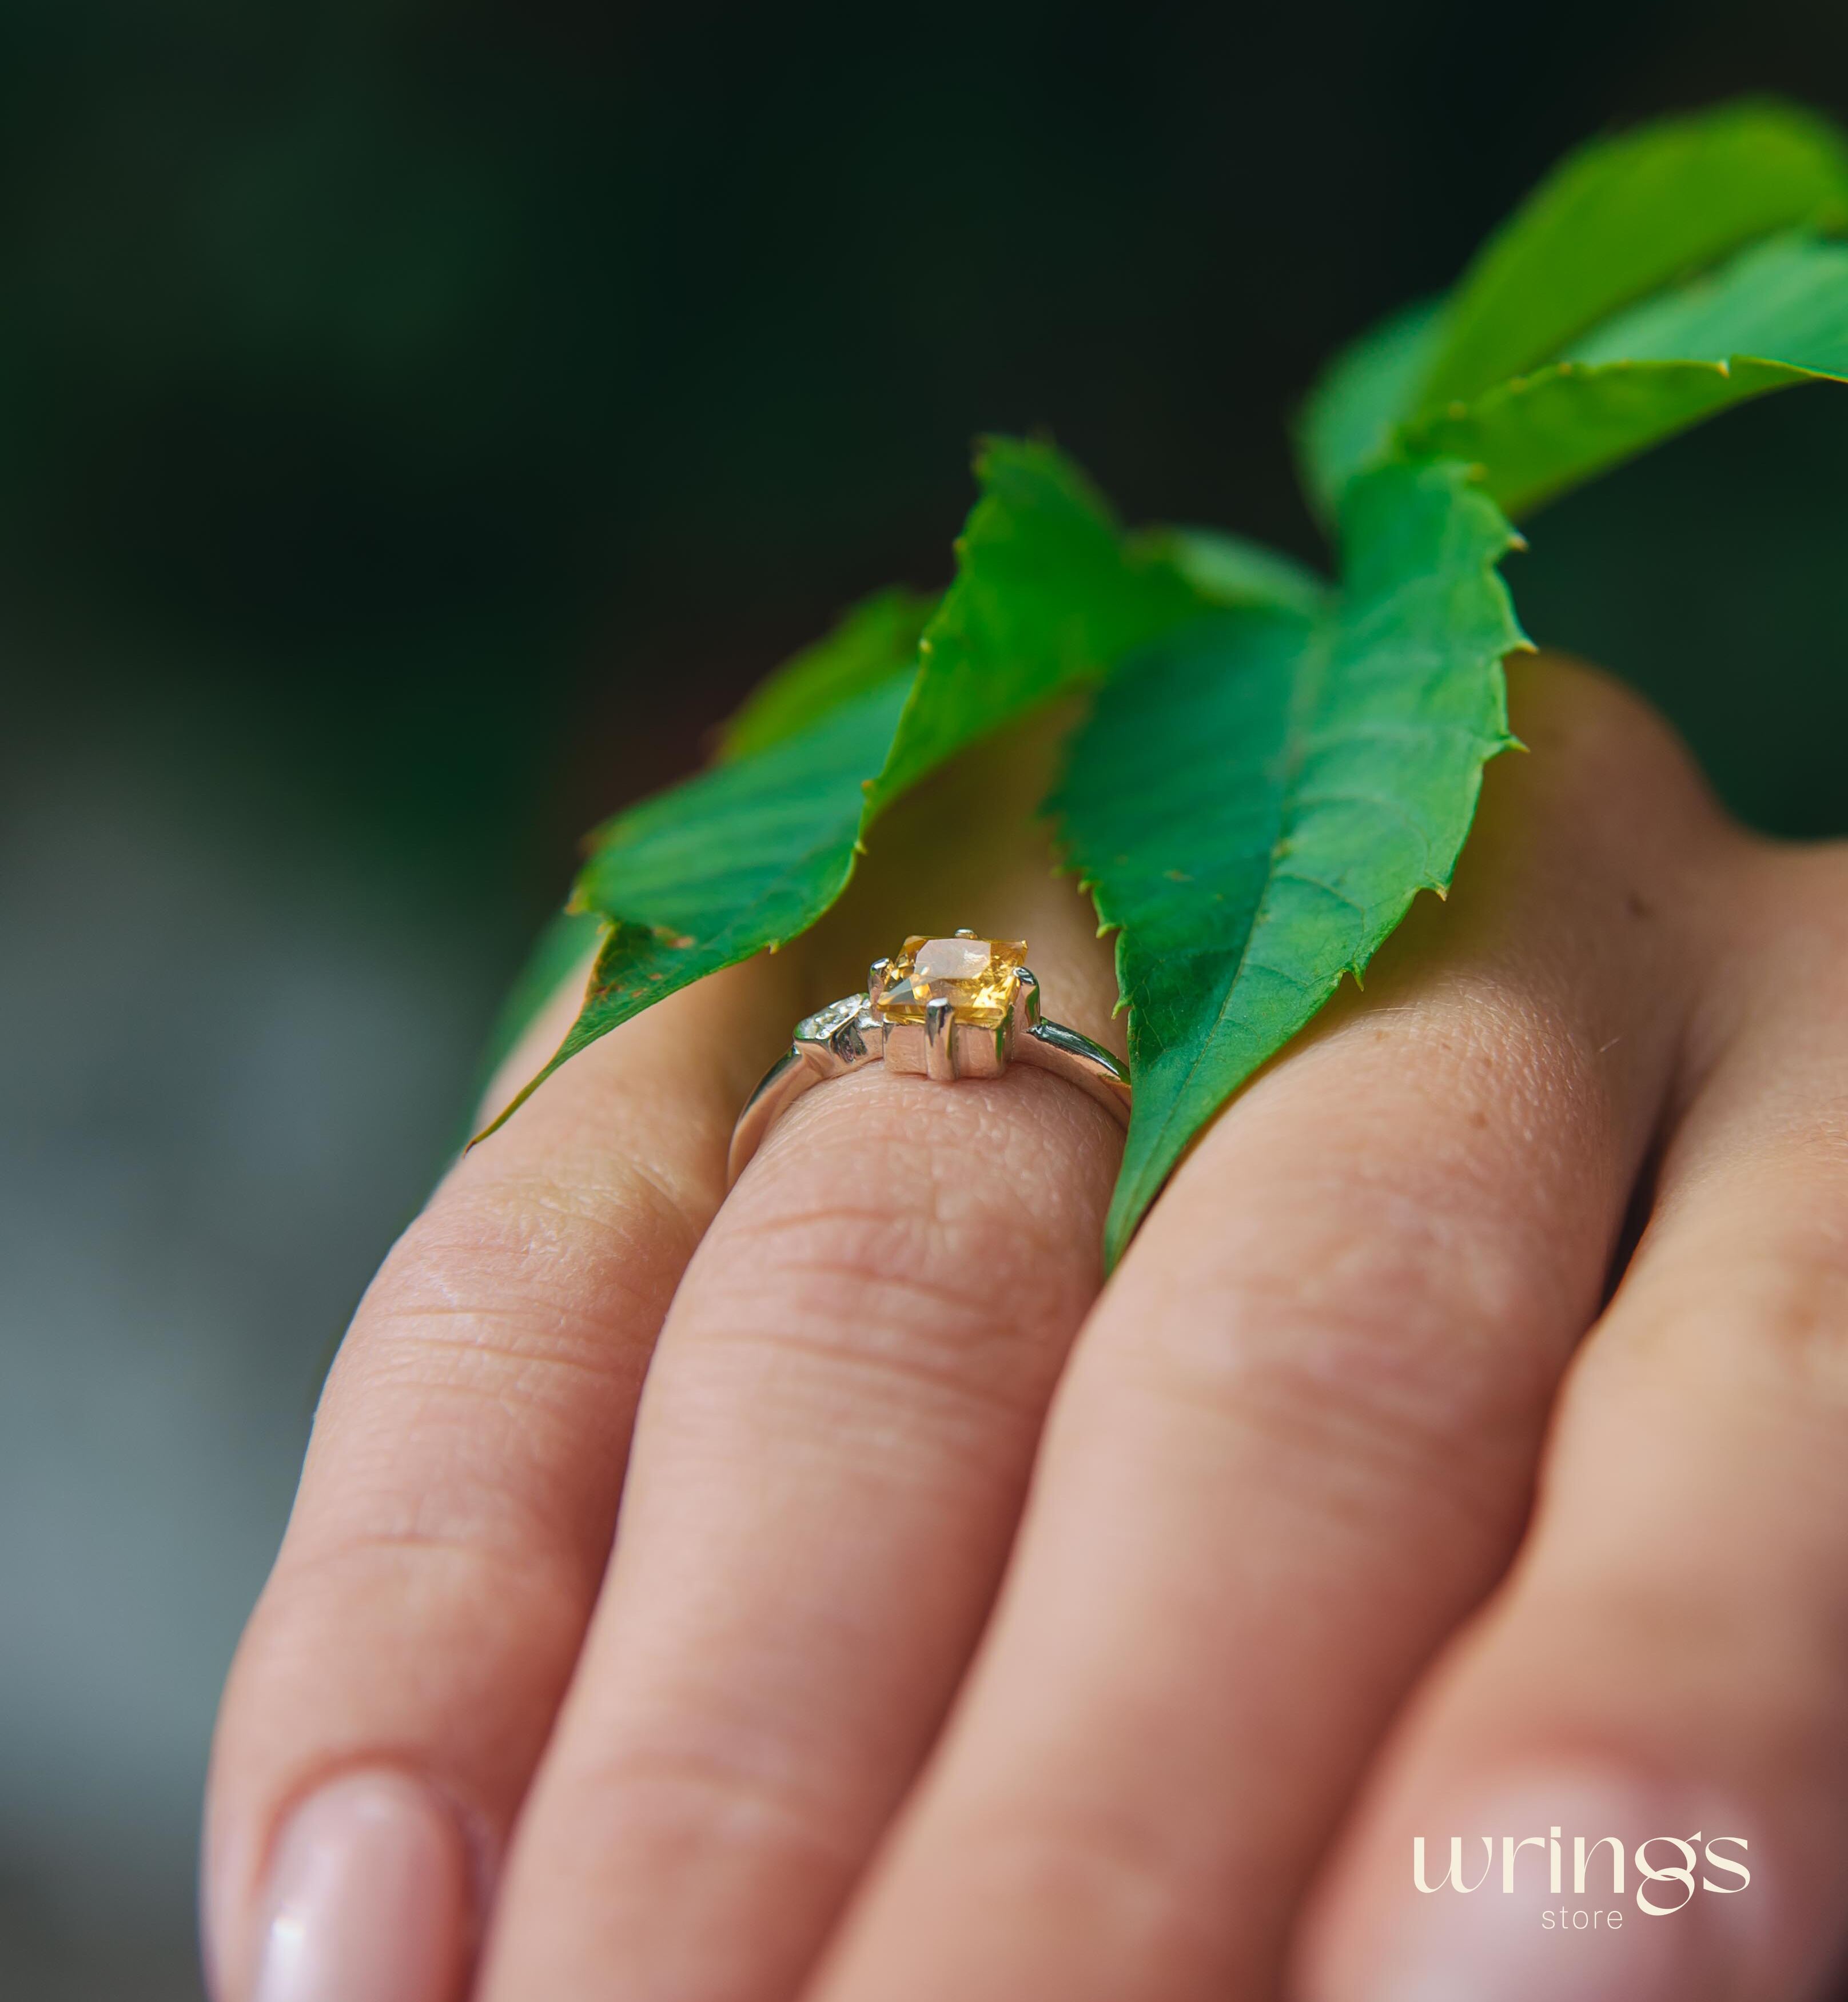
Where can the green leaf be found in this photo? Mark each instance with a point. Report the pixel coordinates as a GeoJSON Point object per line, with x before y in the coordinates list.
{"type": "Point", "coordinates": [1776, 315]}
{"type": "Point", "coordinates": [1785, 297]}
{"type": "Point", "coordinates": [873, 641]}
{"type": "Point", "coordinates": [745, 856]}
{"type": "Point", "coordinates": [1256, 800]}
{"type": "Point", "coordinates": [750, 854]}
{"type": "Point", "coordinates": [1620, 220]}
{"type": "Point", "coordinates": [1624, 217]}
{"type": "Point", "coordinates": [566, 940]}
{"type": "Point", "coordinates": [1049, 593]}
{"type": "Point", "coordinates": [1229, 570]}
{"type": "Point", "coordinates": [1363, 396]}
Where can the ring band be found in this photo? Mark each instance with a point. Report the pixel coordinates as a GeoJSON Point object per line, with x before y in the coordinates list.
{"type": "Point", "coordinates": [942, 1008]}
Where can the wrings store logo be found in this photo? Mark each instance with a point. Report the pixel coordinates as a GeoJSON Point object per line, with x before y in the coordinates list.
{"type": "Point", "coordinates": [1662, 1888]}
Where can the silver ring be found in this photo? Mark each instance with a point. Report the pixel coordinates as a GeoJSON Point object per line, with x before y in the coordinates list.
{"type": "Point", "coordinates": [942, 1008]}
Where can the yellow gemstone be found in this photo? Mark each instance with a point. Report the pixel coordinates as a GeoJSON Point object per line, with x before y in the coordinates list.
{"type": "Point", "coordinates": [978, 978]}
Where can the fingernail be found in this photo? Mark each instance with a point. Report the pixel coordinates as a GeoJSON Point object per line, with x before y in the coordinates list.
{"type": "Point", "coordinates": [367, 1898]}
{"type": "Point", "coordinates": [1534, 1944]}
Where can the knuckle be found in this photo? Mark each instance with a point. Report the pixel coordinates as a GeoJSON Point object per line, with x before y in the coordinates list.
{"type": "Point", "coordinates": [932, 1244]}
{"type": "Point", "coordinates": [389, 1575]}
{"type": "Point", "coordinates": [1740, 1298]}
{"type": "Point", "coordinates": [519, 1291]}
{"type": "Point", "coordinates": [892, 1297]}
{"type": "Point", "coordinates": [1612, 801]}
{"type": "Point", "coordinates": [1143, 1910]}
{"type": "Point", "coordinates": [1796, 1276]}
{"type": "Point", "coordinates": [1437, 1195]}
{"type": "Point", "coordinates": [1793, 903]}
{"type": "Point", "coordinates": [531, 1240]}
{"type": "Point", "coordinates": [512, 1315]}
{"type": "Point", "coordinates": [1409, 1354]}
{"type": "Point", "coordinates": [1765, 1038]}
{"type": "Point", "coordinates": [1608, 733]}
{"type": "Point", "coordinates": [479, 1467]}
{"type": "Point", "coordinates": [658, 1788]}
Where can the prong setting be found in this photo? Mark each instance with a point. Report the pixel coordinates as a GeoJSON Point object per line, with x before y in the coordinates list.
{"type": "Point", "coordinates": [939, 1042]}
{"type": "Point", "coordinates": [989, 1019]}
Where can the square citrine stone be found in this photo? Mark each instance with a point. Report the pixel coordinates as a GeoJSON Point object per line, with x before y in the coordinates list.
{"type": "Point", "coordinates": [978, 978]}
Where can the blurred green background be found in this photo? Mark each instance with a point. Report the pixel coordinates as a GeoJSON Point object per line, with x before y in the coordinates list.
{"type": "Point", "coordinates": [419, 423]}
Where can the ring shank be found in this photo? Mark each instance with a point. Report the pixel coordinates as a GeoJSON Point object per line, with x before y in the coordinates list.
{"type": "Point", "coordinates": [794, 1073]}
{"type": "Point", "coordinates": [851, 1041]}
{"type": "Point", "coordinates": [1051, 1046]}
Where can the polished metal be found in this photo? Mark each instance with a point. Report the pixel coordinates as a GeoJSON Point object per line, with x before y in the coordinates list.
{"type": "Point", "coordinates": [851, 1032]}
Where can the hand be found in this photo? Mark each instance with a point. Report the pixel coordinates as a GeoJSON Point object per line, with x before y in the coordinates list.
{"type": "Point", "coordinates": [850, 1714]}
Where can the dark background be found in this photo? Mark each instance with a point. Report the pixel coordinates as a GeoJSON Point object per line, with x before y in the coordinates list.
{"type": "Point", "coordinates": [419, 423]}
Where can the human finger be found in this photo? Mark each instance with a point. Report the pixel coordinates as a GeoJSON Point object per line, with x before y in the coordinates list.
{"type": "Point", "coordinates": [1295, 1443]}
{"type": "Point", "coordinates": [1655, 1702]}
{"type": "Point", "coordinates": [829, 1461]}
{"type": "Point", "coordinates": [397, 1679]}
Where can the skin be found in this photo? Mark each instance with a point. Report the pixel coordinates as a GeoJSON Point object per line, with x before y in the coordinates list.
{"type": "Point", "coordinates": [1461, 1448]}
